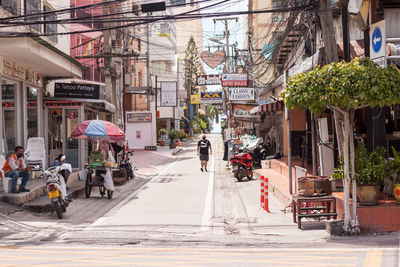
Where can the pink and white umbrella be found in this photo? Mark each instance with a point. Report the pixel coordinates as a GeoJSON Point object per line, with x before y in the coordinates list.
{"type": "Point", "coordinates": [98, 130]}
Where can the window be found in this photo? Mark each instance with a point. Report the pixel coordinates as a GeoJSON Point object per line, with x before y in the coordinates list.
{"type": "Point", "coordinates": [50, 27]}
{"type": "Point", "coordinates": [33, 7]}
{"type": "Point", "coordinates": [277, 3]}
{"type": "Point", "coordinates": [12, 6]}
{"type": "Point", "coordinates": [32, 96]}
{"type": "Point", "coordinates": [85, 16]}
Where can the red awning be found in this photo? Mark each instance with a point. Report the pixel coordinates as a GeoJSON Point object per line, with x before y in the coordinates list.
{"type": "Point", "coordinates": [269, 107]}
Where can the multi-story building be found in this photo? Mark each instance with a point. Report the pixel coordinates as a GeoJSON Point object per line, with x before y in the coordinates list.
{"type": "Point", "coordinates": [32, 56]}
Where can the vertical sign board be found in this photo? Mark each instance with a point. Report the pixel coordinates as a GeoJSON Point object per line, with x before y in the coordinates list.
{"type": "Point", "coordinates": [169, 94]}
{"type": "Point", "coordinates": [378, 43]}
{"type": "Point", "coordinates": [191, 112]}
{"type": "Point", "coordinates": [177, 125]}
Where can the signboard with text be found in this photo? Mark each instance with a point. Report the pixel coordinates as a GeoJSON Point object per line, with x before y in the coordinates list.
{"type": "Point", "coordinates": [211, 97]}
{"type": "Point", "coordinates": [169, 94]}
{"type": "Point", "coordinates": [138, 117]}
{"type": "Point", "coordinates": [243, 112]}
{"type": "Point", "coordinates": [234, 79]}
{"type": "Point", "coordinates": [241, 94]}
{"type": "Point", "coordinates": [209, 80]}
{"type": "Point", "coordinates": [75, 90]}
{"type": "Point", "coordinates": [195, 99]}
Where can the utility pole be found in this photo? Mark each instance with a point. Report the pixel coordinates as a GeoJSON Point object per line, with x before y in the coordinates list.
{"type": "Point", "coordinates": [107, 58]}
{"type": "Point", "coordinates": [148, 67]}
{"type": "Point", "coordinates": [225, 21]}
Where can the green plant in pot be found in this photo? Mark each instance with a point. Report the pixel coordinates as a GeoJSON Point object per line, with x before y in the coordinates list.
{"type": "Point", "coordinates": [394, 172]}
{"type": "Point", "coordinates": [371, 169]}
{"type": "Point", "coordinates": [163, 135]}
{"type": "Point", "coordinates": [337, 176]}
{"type": "Point", "coordinates": [173, 135]}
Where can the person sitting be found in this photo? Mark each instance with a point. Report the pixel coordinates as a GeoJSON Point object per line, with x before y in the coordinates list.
{"type": "Point", "coordinates": [59, 160]}
{"type": "Point", "coordinates": [15, 167]}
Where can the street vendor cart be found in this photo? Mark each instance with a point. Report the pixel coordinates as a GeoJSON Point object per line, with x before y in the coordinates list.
{"type": "Point", "coordinates": [101, 164]}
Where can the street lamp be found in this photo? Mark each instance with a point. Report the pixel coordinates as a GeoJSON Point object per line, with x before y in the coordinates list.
{"type": "Point", "coordinates": [213, 39]}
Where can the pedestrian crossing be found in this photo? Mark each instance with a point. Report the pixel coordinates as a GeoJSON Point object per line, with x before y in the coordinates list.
{"type": "Point", "coordinates": [169, 257]}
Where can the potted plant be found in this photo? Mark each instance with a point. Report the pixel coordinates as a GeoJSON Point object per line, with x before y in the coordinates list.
{"type": "Point", "coordinates": [182, 136]}
{"type": "Point", "coordinates": [163, 134]}
{"type": "Point", "coordinates": [371, 169]}
{"type": "Point", "coordinates": [337, 176]}
{"type": "Point", "coordinates": [394, 172]}
{"type": "Point", "coordinates": [173, 135]}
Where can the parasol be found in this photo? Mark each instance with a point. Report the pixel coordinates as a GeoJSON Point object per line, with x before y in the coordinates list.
{"type": "Point", "coordinates": [98, 130]}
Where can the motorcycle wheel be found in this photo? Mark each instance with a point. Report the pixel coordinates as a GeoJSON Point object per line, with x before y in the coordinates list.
{"type": "Point", "coordinates": [239, 175]}
{"type": "Point", "coordinates": [88, 187]}
{"type": "Point", "coordinates": [250, 176]}
{"type": "Point", "coordinates": [110, 194]}
{"type": "Point", "coordinates": [57, 208]}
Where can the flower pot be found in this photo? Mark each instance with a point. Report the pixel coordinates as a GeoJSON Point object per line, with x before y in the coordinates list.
{"type": "Point", "coordinates": [396, 192]}
{"type": "Point", "coordinates": [163, 142]}
{"type": "Point", "coordinates": [368, 194]}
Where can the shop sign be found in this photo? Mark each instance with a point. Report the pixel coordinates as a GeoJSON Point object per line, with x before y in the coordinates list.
{"type": "Point", "coordinates": [177, 125]}
{"type": "Point", "coordinates": [138, 117]}
{"type": "Point", "coordinates": [191, 112]}
{"type": "Point", "coordinates": [75, 90]}
{"type": "Point", "coordinates": [138, 134]}
{"type": "Point", "coordinates": [7, 91]}
{"type": "Point", "coordinates": [241, 94]}
{"type": "Point", "coordinates": [169, 94]}
{"type": "Point", "coordinates": [8, 104]}
{"type": "Point", "coordinates": [61, 103]}
{"type": "Point", "coordinates": [72, 115]}
{"type": "Point", "coordinates": [12, 69]}
{"type": "Point", "coordinates": [243, 111]}
{"type": "Point", "coordinates": [212, 59]}
{"type": "Point", "coordinates": [195, 99]}
{"type": "Point", "coordinates": [209, 80]}
{"type": "Point", "coordinates": [234, 79]}
{"type": "Point", "coordinates": [211, 97]}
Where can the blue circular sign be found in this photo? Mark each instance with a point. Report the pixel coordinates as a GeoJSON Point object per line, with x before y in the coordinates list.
{"type": "Point", "coordinates": [376, 40]}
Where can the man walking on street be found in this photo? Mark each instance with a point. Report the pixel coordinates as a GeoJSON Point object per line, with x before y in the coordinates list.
{"type": "Point", "coordinates": [15, 167]}
{"type": "Point", "coordinates": [202, 147]}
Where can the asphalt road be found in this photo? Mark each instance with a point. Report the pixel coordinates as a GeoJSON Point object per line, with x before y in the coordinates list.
{"type": "Point", "coordinates": [173, 214]}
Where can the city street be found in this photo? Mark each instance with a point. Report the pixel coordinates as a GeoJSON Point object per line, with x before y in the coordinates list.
{"type": "Point", "coordinates": [173, 214]}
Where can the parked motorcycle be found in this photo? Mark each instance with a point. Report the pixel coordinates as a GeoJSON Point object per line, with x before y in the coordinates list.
{"type": "Point", "coordinates": [242, 166]}
{"type": "Point", "coordinates": [125, 163]}
{"type": "Point", "coordinates": [55, 183]}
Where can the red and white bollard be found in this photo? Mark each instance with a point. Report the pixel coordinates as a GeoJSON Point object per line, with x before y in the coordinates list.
{"type": "Point", "coordinates": [266, 206]}
{"type": "Point", "coordinates": [262, 192]}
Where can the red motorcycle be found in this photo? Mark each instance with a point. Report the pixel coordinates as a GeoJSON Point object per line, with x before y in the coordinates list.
{"type": "Point", "coordinates": [242, 166]}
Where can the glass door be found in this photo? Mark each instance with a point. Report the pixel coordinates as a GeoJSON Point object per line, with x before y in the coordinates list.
{"type": "Point", "coordinates": [71, 148]}
{"type": "Point", "coordinates": [55, 136]}
{"type": "Point", "coordinates": [9, 115]}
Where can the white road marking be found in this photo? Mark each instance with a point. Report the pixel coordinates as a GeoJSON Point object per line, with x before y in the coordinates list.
{"type": "Point", "coordinates": [128, 198]}
{"type": "Point", "coordinates": [205, 222]}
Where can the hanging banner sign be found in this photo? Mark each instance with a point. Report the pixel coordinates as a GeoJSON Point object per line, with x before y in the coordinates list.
{"type": "Point", "coordinates": [195, 99]}
{"type": "Point", "coordinates": [211, 97]}
{"type": "Point", "coordinates": [241, 94]}
{"type": "Point", "coordinates": [212, 59]}
{"type": "Point", "coordinates": [191, 112]}
{"type": "Point", "coordinates": [75, 90]}
{"type": "Point", "coordinates": [169, 94]}
{"type": "Point", "coordinates": [209, 80]}
{"type": "Point", "coordinates": [234, 79]}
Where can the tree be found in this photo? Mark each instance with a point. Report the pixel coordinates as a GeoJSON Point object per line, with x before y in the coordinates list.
{"type": "Point", "coordinates": [214, 111]}
{"type": "Point", "coordinates": [345, 87]}
{"type": "Point", "coordinates": [192, 66]}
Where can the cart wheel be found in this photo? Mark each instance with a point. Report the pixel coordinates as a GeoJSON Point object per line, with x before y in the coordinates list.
{"type": "Point", "coordinates": [88, 187]}
{"type": "Point", "coordinates": [102, 190]}
{"type": "Point", "coordinates": [110, 194]}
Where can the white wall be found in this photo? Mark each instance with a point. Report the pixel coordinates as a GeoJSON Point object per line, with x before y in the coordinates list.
{"type": "Point", "coordinates": [147, 131]}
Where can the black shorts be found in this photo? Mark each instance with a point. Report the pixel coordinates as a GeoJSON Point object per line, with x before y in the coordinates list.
{"type": "Point", "coordinates": [203, 157]}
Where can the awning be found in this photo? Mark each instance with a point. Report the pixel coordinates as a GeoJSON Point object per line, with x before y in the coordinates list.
{"type": "Point", "coordinates": [276, 106]}
{"type": "Point", "coordinates": [107, 106]}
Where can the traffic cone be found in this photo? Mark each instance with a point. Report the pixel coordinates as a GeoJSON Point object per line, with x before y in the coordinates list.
{"type": "Point", "coordinates": [179, 143]}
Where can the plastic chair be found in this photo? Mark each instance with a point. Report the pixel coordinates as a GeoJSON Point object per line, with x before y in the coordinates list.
{"type": "Point", "coordinates": [35, 153]}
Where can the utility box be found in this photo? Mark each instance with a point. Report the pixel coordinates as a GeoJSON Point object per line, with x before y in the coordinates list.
{"type": "Point", "coordinates": [141, 130]}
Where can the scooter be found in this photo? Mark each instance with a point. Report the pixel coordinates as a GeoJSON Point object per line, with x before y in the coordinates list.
{"type": "Point", "coordinates": [242, 166]}
{"type": "Point", "coordinates": [125, 163]}
{"type": "Point", "coordinates": [55, 183]}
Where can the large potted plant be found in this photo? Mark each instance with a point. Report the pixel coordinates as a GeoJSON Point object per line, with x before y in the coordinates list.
{"type": "Point", "coordinates": [163, 134]}
{"type": "Point", "coordinates": [371, 171]}
{"type": "Point", "coordinates": [173, 135]}
{"type": "Point", "coordinates": [394, 172]}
